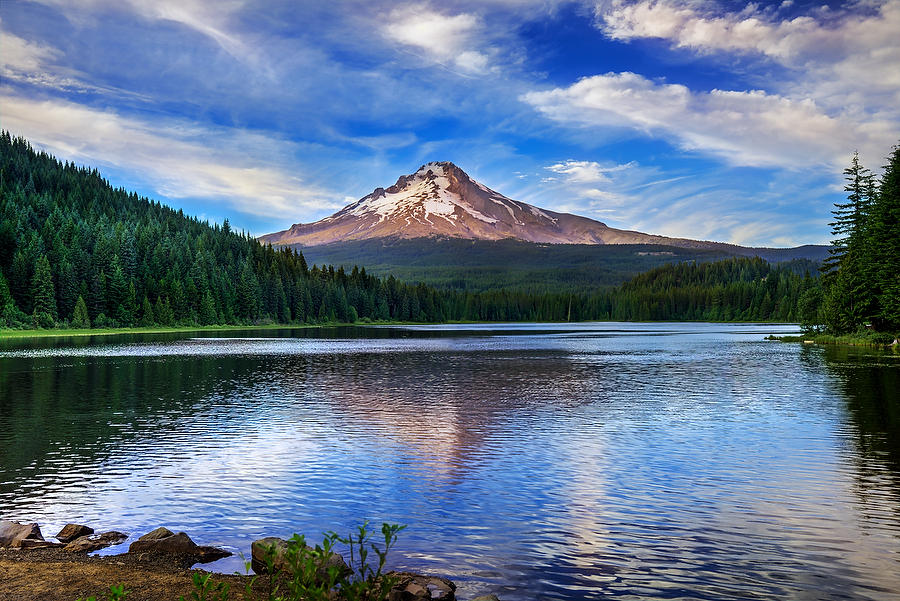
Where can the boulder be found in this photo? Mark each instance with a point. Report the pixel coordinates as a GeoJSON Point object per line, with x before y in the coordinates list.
{"type": "Point", "coordinates": [94, 542]}
{"type": "Point", "coordinates": [258, 557]}
{"type": "Point", "coordinates": [72, 531]}
{"type": "Point", "coordinates": [22, 536]}
{"type": "Point", "coordinates": [158, 534]}
{"type": "Point", "coordinates": [416, 587]}
{"type": "Point", "coordinates": [163, 543]}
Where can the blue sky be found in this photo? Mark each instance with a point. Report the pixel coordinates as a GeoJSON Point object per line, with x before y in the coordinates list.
{"type": "Point", "coordinates": [721, 121]}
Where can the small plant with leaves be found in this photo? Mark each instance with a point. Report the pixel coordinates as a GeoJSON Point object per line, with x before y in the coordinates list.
{"type": "Point", "coordinates": [207, 589]}
{"type": "Point", "coordinates": [313, 574]}
{"type": "Point", "coordinates": [367, 582]}
{"type": "Point", "coordinates": [116, 593]}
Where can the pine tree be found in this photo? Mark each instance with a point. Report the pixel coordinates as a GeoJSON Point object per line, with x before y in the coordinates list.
{"type": "Point", "coordinates": [80, 318]}
{"type": "Point", "coordinates": [42, 290]}
{"type": "Point", "coordinates": [127, 309]}
{"type": "Point", "coordinates": [207, 310]}
{"type": "Point", "coordinates": [849, 299]}
{"type": "Point", "coordinates": [147, 317]}
{"type": "Point", "coordinates": [163, 312]}
{"type": "Point", "coordinates": [886, 244]}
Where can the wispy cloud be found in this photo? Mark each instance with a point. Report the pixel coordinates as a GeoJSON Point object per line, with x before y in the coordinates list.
{"type": "Point", "coordinates": [38, 64]}
{"type": "Point", "coordinates": [711, 207]}
{"type": "Point", "coordinates": [214, 20]}
{"type": "Point", "coordinates": [178, 160]}
{"type": "Point", "coordinates": [751, 128]}
{"type": "Point", "coordinates": [451, 40]}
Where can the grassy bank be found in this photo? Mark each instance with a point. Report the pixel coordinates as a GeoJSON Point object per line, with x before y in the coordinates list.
{"type": "Point", "coordinates": [875, 339]}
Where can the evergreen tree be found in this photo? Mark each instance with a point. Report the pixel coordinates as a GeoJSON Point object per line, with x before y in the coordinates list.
{"type": "Point", "coordinates": [848, 298]}
{"type": "Point", "coordinates": [163, 312]}
{"type": "Point", "coordinates": [42, 291]}
{"type": "Point", "coordinates": [80, 318]}
{"type": "Point", "coordinates": [886, 244]}
{"type": "Point", "coordinates": [207, 314]}
{"type": "Point", "coordinates": [147, 317]}
{"type": "Point", "coordinates": [127, 310]}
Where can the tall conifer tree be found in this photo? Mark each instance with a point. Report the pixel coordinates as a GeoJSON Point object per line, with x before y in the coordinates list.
{"type": "Point", "coordinates": [42, 290]}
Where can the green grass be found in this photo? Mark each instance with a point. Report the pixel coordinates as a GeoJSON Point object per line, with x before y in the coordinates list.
{"type": "Point", "coordinates": [877, 339]}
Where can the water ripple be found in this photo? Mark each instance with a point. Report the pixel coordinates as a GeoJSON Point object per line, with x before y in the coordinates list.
{"type": "Point", "coordinates": [636, 461]}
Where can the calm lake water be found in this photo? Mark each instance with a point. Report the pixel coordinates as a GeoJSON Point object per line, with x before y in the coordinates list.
{"type": "Point", "coordinates": [638, 461]}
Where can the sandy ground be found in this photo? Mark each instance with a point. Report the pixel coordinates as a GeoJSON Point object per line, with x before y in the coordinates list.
{"type": "Point", "coordinates": [53, 575]}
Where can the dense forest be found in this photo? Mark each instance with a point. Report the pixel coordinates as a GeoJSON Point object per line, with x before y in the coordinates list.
{"type": "Point", "coordinates": [76, 252]}
{"type": "Point", "coordinates": [478, 265]}
{"type": "Point", "coordinates": [860, 284]}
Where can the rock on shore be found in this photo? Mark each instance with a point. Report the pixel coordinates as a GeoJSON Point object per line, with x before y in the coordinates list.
{"type": "Point", "coordinates": [72, 531]}
{"type": "Point", "coordinates": [179, 547]}
{"type": "Point", "coordinates": [89, 543]}
{"type": "Point", "coordinates": [23, 536]}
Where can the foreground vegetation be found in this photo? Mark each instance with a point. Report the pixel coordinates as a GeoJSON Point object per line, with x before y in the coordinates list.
{"type": "Point", "coordinates": [304, 573]}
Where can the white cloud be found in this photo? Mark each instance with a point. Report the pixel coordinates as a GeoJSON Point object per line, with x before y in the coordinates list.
{"type": "Point", "coordinates": [847, 59]}
{"type": "Point", "coordinates": [586, 172]}
{"type": "Point", "coordinates": [447, 39]}
{"type": "Point", "coordinates": [21, 55]}
{"type": "Point", "coordinates": [177, 160]}
{"type": "Point", "coordinates": [750, 128]}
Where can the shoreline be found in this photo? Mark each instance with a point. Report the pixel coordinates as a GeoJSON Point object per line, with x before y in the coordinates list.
{"type": "Point", "coordinates": [56, 575]}
{"type": "Point", "coordinates": [890, 342]}
{"type": "Point", "coordinates": [11, 334]}
{"type": "Point", "coordinates": [163, 566]}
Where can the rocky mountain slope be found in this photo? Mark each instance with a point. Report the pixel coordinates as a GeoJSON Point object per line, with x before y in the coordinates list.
{"type": "Point", "coordinates": [440, 200]}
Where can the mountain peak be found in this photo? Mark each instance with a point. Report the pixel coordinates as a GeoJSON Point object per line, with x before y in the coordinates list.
{"type": "Point", "coordinates": [440, 200]}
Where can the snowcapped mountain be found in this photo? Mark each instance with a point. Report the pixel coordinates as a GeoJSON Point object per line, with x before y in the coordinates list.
{"type": "Point", "coordinates": [440, 200]}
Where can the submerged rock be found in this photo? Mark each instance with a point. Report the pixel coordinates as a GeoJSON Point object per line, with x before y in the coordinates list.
{"type": "Point", "coordinates": [94, 542]}
{"type": "Point", "coordinates": [162, 542]}
{"type": "Point", "coordinates": [416, 587]}
{"type": "Point", "coordinates": [72, 531]}
{"type": "Point", "coordinates": [23, 536]}
{"type": "Point", "coordinates": [490, 597]}
{"type": "Point", "coordinates": [258, 558]}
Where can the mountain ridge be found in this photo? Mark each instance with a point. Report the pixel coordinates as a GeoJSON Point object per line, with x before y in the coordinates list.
{"type": "Point", "coordinates": [441, 200]}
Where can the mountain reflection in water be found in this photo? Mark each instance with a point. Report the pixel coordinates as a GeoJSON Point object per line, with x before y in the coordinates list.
{"type": "Point", "coordinates": [650, 461]}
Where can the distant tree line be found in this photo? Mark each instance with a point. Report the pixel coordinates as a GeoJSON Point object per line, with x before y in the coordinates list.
{"type": "Point", "coordinates": [860, 284]}
{"type": "Point", "coordinates": [76, 252]}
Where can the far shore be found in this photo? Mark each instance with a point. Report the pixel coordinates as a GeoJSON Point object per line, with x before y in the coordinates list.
{"type": "Point", "coordinates": [11, 334]}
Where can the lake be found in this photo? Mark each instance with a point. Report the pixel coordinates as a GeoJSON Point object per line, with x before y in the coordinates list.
{"type": "Point", "coordinates": [535, 461]}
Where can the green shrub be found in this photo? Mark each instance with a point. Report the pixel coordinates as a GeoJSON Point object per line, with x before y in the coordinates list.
{"type": "Point", "coordinates": [309, 576]}
{"type": "Point", "coordinates": [116, 593]}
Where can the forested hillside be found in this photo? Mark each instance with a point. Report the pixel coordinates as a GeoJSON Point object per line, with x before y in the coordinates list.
{"type": "Point", "coordinates": [478, 265]}
{"type": "Point", "coordinates": [74, 251]}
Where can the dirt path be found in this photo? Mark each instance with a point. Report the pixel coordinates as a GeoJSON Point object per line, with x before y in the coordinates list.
{"type": "Point", "coordinates": [50, 575]}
